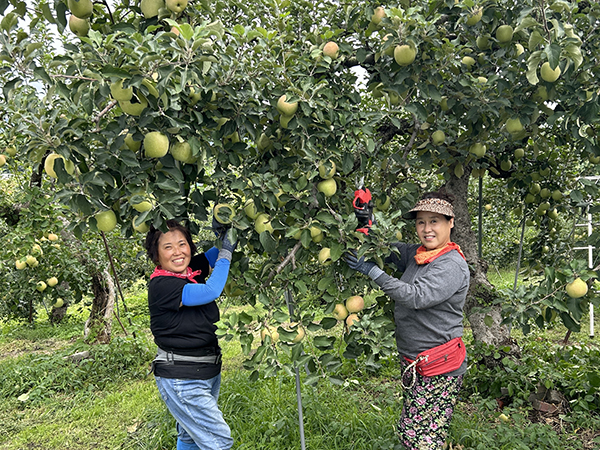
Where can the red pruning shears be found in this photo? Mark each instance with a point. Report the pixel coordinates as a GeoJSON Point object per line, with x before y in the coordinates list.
{"type": "Point", "coordinates": [363, 208]}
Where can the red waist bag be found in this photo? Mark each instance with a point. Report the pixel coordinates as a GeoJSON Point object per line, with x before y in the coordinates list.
{"type": "Point", "coordinates": [441, 359]}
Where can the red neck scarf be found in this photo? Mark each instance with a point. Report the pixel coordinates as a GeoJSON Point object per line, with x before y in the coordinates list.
{"type": "Point", "coordinates": [189, 274]}
{"type": "Point", "coordinates": [425, 256]}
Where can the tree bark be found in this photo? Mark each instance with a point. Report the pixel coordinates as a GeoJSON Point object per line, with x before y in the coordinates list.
{"type": "Point", "coordinates": [98, 327]}
{"type": "Point", "coordinates": [480, 290]}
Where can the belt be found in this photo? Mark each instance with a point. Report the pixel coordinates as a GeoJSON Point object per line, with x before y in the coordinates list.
{"type": "Point", "coordinates": [163, 356]}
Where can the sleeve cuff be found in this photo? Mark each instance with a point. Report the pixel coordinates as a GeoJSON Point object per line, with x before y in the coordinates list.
{"type": "Point", "coordinates": [224, 254]}
{"type": "Point", "coordinates": [375, 273]}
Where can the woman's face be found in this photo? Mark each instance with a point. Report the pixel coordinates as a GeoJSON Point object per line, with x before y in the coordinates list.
{"type": "Point", "coordinates": [174, 252]}
{"type": "Point", "coordinates": [433, 229]}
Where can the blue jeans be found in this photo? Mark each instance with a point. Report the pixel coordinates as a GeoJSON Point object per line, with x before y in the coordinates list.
{"type": "Point", "coordinates": [193, 404]}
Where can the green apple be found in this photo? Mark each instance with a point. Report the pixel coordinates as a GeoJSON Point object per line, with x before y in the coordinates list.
{"type": "Point", "coordinates": [176, 5]}
{"type": "Point", "coordinates": [284, 120]}
{"type": "Point", "coordinates": [577, 288]}
{"type": "Point", "coordinates": [340, 312]}
{"type": "Point", "coordinates": [142, 206]}
{"type": "Point", "coordinates": [31, 261]}
{"type": "Point", "coordinates": [141, 228]}
{"type": "Point", "coordinates": [324, 256]}
{"type": "Point", "coordinates": [488, 207]}
{"type": "Point", "coordinates": [482, 80]}
{"type": "Point", "coordinates": [478, 149]}
{"type": "Point", "coordinates": [383, 205]}
{"type": "Point", "coordinates": [250, 209]}
{"type": "Point", "coordinates": [352, 319]}
{"type": "Point", "coordinates": [119, 93]}
{"type": "Point", "coordinates": [81, 8]}
{"type": "Point", "coordinates": [50, 161]}
{"type": "Point", "coordinates": [11, 151]}
{"type": "Point", "coordinates": [557, 195]}
{"type": "Point", "coordinates": [286, 108]}
{"type": "Point", "coordinates": [52, 281]}
{"type": "Point", "coordinates": [194, 96]}
{"type": "Point", "coordinates": [505, 165]}
{"type": "Point", "coordinates": [553, 214]}
{"type": "Point", "coordinates": [79, 27]}
{"type": "Point", "coordinates": [316, 234]}
{"type": "Point", "coordinates": [150, 7]}
{"type": "Point", "coordinates": [270, 332]}
{"type": "Point", "coordinates": [404, 54]}
{"type": "Point", "coordinates": [263, 142]}
{"type": "Point", "coordinates": [327, 187]}
{"type": "Point", "coordinates": [474, 16]}
{"type": "Point", "coordinates": [483, 42]}
{"type": "Point", "coordinates": [41, 286]}
{"type": "Point", "coordinates": [444, 104]}
{"type": "Point", "coordinates": [327, 170]}
{"type": "Point", "coordinates": [106, 220]}
{"type": "Point", "coordinates": [132, 144]}
{"type": "Point", "coordinates": [331, 49]}
{"type": "Point", "coordinates": [300, 332]}
{"type": "Point", "coordinates": [468, 61]}
{"type": "Point", "coordinates": [535, 188]}
{"type": "Point", "coordinates": [20, 265]}
{"type": "Point", "coordinates": [263, 223]}
{"type": "Point", "coordinates": [504, 33]}
{"type": "Point", "coordinates": [519, 49]}
{"type": "Point", "coordinates": [58, 303]}
{"type": "Point", "coordinates": [224, 213]}
{"type": "Point", "coordinates": [2, 160]}
{"type": "Point", "coordinates": [514, 126]}
{"type": "Point", "coordinates": [355, 304]}
{"type": "Point", "coordinates": [182, 151]}
{"type": "Point", "coordinates": [519, 153]}
{"type": "Point", "coordinates": [438, 137]}
{"type": "Point", "coordinates": [156, 144]}
{"type": "Point", "coordinates": [378, 15]}
{"type": "Point", "coordinates": [135, 106]}
{"type": "Point", "coordinates": [594, 159]}
{"type": "Point", "coordinates": [545, 193]}
{"type": "Point", "coordinates": [548, 74]}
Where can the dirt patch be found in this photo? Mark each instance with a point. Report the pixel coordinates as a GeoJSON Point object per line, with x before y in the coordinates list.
{"type": "Point", "coordinates": [22, 347]}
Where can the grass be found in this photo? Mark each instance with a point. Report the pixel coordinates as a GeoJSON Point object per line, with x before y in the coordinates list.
{"type": "Point", "coordinates": [115, 404]}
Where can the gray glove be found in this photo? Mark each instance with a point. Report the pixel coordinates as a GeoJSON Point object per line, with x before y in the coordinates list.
{"type": "Point", "coordinates": [361, 265]}
{"type": "Point", "coordinates": [227, 247]}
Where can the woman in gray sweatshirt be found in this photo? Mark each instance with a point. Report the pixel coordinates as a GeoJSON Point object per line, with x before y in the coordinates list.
{"type": "Point", "coordinates": [429, 299]}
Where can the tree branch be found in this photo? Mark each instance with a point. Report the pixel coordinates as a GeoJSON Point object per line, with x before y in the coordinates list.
{"type": "Point", "coordinates": [103, 113]}
{"type": "Point", "coordinates": [285, 262]}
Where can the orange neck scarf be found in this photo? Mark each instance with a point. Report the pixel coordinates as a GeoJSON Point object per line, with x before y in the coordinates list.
{"type": "Point", "coordinates": [425, 256]}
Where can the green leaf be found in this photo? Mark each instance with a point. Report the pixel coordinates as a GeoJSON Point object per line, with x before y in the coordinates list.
{"type": "Point", "coordinates": [570, 323]}
{"type": "Point", "coordinates": [324, 342]}
{"type": "Point", "coordinates": [268, 242]}
{"type": "Point", "coordinates": [553, 53]}
{"type": "Point", "coordinates": [488, 320]}
{"type": "Point", "coordinates": [324, 283]}
{"type": "Point", "coordinates": [328, 322]}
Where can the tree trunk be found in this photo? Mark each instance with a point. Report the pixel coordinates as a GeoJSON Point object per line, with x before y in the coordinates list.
{"type": "Point", "coordinates": [99, 325]}
{"type": "Point", "coordinates": [480, 290]}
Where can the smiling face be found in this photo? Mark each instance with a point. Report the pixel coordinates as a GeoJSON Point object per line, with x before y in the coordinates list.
{"type": "Point", "coordinates": [174, 251]}
{"type": "Point", "coordinates": [433, 229]}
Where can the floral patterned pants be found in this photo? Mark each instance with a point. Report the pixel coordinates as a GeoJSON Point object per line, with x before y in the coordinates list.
{"type": "Point", "coordinates": [427, 410]}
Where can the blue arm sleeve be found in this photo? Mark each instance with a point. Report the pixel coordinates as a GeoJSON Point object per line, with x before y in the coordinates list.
{"type": "Point", "coordinates": [201, 294]}
{"type": "Point", "coordinates": [211, 255]}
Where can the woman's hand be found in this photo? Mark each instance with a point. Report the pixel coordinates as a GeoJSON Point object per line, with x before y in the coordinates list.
{"type": "Point", "coordinates": [358, 264]}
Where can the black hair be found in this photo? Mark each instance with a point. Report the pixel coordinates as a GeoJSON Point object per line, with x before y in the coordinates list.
{"type": "Point", "coordinates": [152, 237]}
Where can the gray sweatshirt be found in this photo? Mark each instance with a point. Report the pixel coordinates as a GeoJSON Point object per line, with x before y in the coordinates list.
{"type": "Point", "coordinates": [428, 298]}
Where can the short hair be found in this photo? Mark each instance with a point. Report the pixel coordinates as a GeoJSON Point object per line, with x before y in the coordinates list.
{"type": "Point", "coordinates": [152, 237]}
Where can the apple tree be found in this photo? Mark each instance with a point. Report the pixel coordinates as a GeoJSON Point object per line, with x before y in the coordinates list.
{"type": "Point", "coordinates": [278, 111]}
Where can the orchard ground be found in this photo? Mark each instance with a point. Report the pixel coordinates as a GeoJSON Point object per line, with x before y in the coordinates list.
{"type": "Point", "coordinates": [110, 401]}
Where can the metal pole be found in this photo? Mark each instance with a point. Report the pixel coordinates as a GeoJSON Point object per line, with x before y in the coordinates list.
{"type": "Point", "coordinates": [480, 231]}
{"type": "Point", "coordinates": [590, 266]}
{"type": "Point", "coordinates": [289, 299]}
{"type": "Point", "coordinates": [520, 252]}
